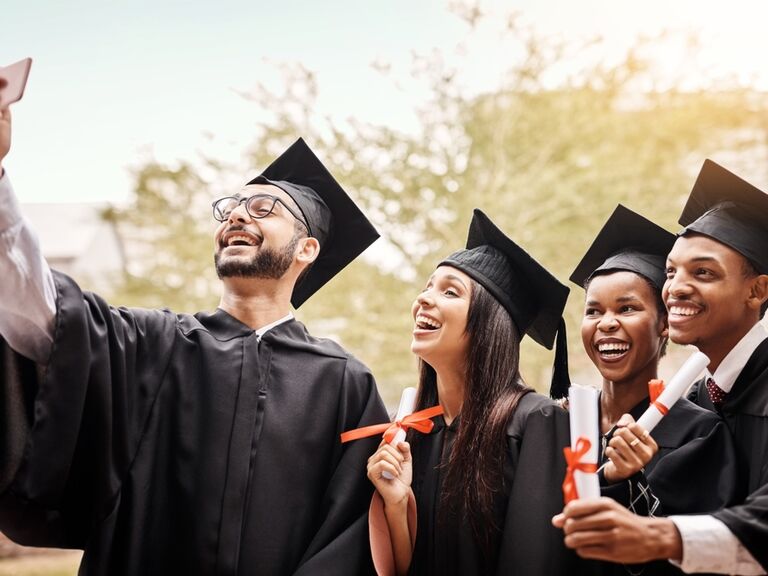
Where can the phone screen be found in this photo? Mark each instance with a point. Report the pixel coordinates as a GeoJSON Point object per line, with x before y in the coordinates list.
{"type": "Point", "coordinates": [13, 79]}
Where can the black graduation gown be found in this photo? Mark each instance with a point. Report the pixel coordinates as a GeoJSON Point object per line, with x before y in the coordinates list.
{"type": "Point", "coordinates": [527, 544]}
{"type": "Point", "coordinates": [745, 411]}
{"type": "Point", "coordinates": [694, 471]}
{"type": "Point", "coordinates": [177, 444]}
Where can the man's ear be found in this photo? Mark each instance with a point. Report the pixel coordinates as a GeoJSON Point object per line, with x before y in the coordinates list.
{"type": "Point", "coordinates": [308, 250]}
{"type": "Point", "coordinates": [758, 291]}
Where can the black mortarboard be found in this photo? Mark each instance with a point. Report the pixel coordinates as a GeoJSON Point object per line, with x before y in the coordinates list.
{"type": "Point", "coordinates": [332, 217]}
{"type": "Point", "coordinates": [533, 297]}
{"type": "Point", "coordinates": [630, 242]}
{"type": "Point", "coordinates": [731, 211]}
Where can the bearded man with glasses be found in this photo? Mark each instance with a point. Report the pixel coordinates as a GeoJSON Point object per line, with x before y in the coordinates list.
{"type": "Point", "coordinates": [165, 443]}
{"type": "Point", "coordinates": [267, 262]}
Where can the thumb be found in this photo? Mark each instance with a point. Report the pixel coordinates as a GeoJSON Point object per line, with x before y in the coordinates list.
{"type": "Point", "coordinates": [625, 420]}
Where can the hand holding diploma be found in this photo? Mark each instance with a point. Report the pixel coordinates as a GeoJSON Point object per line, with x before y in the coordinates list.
{"type": "Point", "coordinates": [628, 451]}
{"type": "Point", "coordinates": [406, 408]}
{"type": "Point", "coordinates": [391, 472]}
{"type": "Point", "coordinates": [390, 467]}
{"type": "Point", "coordinates": [631, 446]}
{"type": "Point", "coordinates": [602, 529]}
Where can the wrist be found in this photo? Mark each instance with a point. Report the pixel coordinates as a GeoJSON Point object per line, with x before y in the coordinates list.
{"type": "Point", "coordinates": [396, 506]}
{"type": "Point", "coordinates": [666, 538]}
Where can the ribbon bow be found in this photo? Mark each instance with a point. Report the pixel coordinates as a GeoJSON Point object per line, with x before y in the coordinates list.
{"type": "Point", "coordinates": [420, 421]}
{"type": "Point", "coordinates": [655, 388]}
{"type": "Point", "coordinates": [573, 459]}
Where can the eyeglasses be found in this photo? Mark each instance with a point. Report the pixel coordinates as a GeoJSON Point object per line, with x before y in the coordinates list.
{"type": "Point", "coordinates": [258, 206]}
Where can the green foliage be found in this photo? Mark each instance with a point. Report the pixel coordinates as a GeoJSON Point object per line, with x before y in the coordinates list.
{"type": "Point", "coordinates": [548, 164]}
{"type": "Point", "coordinates": [169, 243]}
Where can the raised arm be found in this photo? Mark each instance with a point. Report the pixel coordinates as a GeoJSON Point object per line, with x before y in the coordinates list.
{"type": "Point", "coordinates": [27, 291]}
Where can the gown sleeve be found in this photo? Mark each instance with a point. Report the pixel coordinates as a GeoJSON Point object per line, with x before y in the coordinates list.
{"type": "Point", "coordinates": [341, 544]}
{"type": "Point", "coordinates": [27, 291]}
{"type": "Point", "coordinates": [80, 420]}
{"type": "Point", "coordinates": [749, 521]}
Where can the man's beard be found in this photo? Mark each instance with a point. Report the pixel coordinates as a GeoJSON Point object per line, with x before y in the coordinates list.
{"type": "Point", "coordinates": [268, 263]}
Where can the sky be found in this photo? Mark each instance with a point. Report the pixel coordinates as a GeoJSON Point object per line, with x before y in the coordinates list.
{"type": "Point", "coordinates": [116, 83]}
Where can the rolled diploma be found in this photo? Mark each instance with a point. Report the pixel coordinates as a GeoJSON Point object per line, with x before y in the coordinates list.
{"type": "Point", "coordinates": [680, 382]}
{"type": "Point", "coordinates": [407, 406]}
{"type": "Point", "coordinates": [582, 405]}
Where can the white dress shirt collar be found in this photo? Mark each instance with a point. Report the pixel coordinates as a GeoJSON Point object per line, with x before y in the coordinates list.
{"type": "Point", "coordinates": [731, 366]}
{"type": "Point", "coordinates": [264, 329]}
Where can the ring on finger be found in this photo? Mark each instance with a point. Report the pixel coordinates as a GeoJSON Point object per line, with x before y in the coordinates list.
{"type": "Point", "coordinates": [634, 442]}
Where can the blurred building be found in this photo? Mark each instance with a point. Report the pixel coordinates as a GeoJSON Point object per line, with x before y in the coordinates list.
{"type": "Point", "coordinates": [76, 240]}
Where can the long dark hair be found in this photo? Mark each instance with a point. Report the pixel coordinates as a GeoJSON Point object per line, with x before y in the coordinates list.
{"type": "Point", "coordinates": [493, 387]}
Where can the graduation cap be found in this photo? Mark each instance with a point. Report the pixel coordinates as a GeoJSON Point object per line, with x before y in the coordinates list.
{"type": "Point", "coordinates": [629, 242]}
{"type": "Point", "coordinates": [729, 210]}
{"type": "Point", "coordinates": [331, 216]}
{"type": "Point", "coordinates": [533, 297]}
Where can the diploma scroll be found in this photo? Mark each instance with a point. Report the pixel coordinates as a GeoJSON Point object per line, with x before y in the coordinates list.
{"type": "Point", "coordinates": [582, 405]}
{"type": "Point", "coordinates": [407, 406]}
{"type": "Point", "coordinates": [677, 386]}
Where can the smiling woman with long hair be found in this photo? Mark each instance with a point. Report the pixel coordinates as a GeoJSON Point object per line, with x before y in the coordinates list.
{"type": "Point", "coordinates": [462, 477]}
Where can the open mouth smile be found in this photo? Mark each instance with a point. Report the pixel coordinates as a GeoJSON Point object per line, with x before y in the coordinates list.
{"type": "Point", "coordinates": [239, 238]}
{"type": "Point", "coordinates": [426, 324]}
{"type": "Point", "coordinates": [612, 350]}
{"type": "Point", "coordinates": [679, 313]}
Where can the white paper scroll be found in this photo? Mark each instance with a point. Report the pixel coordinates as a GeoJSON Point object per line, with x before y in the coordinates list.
{"type": "Point", "coordinates": [675, 389]}
{"type": "Point", "coordinates": [582, 405]}
{"type": "Point", "coordinates": [406, 408]}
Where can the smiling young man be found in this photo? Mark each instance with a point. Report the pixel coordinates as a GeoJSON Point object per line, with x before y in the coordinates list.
{"type": "Point", "coordinates": [165, 443]}
{"type": "Point", "coordinates": [716, 294]}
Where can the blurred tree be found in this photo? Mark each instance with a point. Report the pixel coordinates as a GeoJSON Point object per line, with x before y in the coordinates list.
{"type": "Point", "coordinates": [547, 162]}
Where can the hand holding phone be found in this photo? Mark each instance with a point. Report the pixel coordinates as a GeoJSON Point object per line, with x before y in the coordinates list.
{"type": "Point", "coordinates": [13, 79]}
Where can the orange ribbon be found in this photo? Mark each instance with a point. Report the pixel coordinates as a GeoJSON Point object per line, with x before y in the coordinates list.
{"type": "Point", "coordinates": [655, 388]}
{"type": "Point", "coordinates": [420, 421]}
{"type": "Point", "coordinates": [573, 458]}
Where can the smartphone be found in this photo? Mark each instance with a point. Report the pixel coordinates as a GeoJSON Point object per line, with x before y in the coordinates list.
{"type": "Point", "coordinates": [13, 78]}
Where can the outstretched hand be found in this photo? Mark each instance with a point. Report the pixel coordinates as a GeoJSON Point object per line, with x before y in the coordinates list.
{"type": "Point", "coordinates": [602, 529]}
{"type": "Point", "coordinates": [629, 450]}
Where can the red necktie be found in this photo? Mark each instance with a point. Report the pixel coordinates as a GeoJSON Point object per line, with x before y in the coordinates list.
{"type": "Point", "coordinates": [716, 394]}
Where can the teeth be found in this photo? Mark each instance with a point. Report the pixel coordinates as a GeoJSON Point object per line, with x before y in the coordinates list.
{"type": "Point", "coordinates": [241, 238]}
{"type": "Point", "coordinates": [424, 321]}
{"type": "Point", "coordinates": [613, 347]}
{"type": "Point", "coordinates": [683, 311]}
